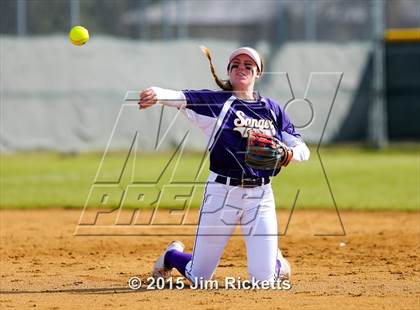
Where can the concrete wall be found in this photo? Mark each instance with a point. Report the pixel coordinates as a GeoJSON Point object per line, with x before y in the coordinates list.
{"type": "Point", "coordinates": [56, 96]}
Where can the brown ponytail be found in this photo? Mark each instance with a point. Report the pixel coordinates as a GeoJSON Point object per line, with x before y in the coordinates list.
{"type": "Point", "coordinates": [223, 84]}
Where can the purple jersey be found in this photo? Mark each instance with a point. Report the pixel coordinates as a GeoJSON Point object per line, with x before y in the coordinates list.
{"type": "Point", "coordinates": [226, 121]}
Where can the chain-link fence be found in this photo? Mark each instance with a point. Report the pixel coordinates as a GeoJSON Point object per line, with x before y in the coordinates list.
{"type": "Point", "coordinates": [251, 20]}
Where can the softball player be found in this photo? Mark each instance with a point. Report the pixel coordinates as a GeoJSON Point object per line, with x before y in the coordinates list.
{"type": "Point", "coordinates": [235, 193]}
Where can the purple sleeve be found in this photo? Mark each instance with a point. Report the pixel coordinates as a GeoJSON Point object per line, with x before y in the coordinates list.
{"type": "Point", "coordinates": [205, 102]}
{"type": "Point", "coordinates": [282, 119]}
{"type": "Point", "coordinates": [287, 125]}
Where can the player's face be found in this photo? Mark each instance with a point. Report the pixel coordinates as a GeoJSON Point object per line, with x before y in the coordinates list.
{"type": "Point", "coordinates": [242, 72]}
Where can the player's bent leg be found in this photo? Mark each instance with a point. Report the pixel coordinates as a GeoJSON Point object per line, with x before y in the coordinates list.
{"type": "Point", "coordinates": [259, 226]}
{"type": "Point", "coordinates": [206, 257]}
{"type": "Point", "coordinates": [262, 259]}
{"type": "Point", "coordinates": [216, 224]}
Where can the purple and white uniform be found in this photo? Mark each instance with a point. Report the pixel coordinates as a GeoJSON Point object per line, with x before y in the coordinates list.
{"type": "Point", "coordinates": [225, 120]}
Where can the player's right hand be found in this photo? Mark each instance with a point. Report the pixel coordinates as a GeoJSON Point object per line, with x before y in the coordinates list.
{"type": "Point", "coordinates": [148, 98]}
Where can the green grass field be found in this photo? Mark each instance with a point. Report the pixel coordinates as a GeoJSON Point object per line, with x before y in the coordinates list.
{"type": "Point", "coordinates": [360, 179]}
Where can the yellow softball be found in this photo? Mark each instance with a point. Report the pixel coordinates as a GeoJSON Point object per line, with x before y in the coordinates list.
{"type": "Point", "coordinates": [79, 35]}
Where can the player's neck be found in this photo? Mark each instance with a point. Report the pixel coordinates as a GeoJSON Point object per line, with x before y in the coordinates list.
{"type": "Point", "coordinates": [247, 94]}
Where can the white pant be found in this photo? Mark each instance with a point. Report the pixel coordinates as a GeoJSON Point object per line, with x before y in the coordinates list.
{"type": "Point", "coordinates": [222, 209]}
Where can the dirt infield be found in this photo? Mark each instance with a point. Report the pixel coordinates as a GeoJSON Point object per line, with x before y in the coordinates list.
{"type": "Point", "coordinates": [375, 265]}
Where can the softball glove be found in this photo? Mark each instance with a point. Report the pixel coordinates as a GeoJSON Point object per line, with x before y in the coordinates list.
{"type": "Point", "coordinates": [266, 152]}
